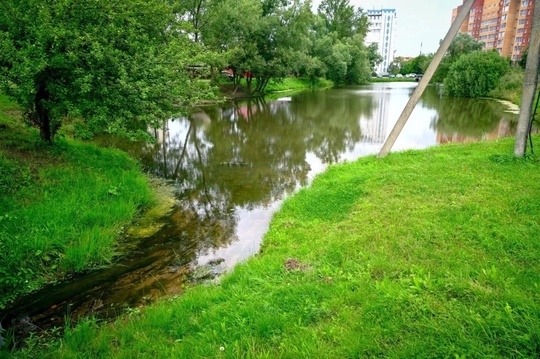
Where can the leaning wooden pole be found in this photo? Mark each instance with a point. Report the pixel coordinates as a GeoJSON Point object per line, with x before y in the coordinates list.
{"type": "Point", "coordinates": [445, 44]}
{"type": "Point", "coordinates": [530, 83]}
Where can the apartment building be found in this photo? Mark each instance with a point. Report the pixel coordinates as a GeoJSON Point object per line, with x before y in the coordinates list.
{"type": "Point", "coordinates": [382, 31]}
{"type": "Point", "coordinates": [502, 25]}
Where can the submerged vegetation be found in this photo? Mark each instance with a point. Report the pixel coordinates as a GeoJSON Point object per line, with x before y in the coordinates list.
{"type": "Point", "coordinates": [414, 255]}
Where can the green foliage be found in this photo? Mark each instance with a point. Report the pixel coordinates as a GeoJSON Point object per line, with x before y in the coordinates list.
{"type": "Point", "coordinates": [62, 207]}
{"type": "Point", "coordinates": [416, 65]}
{"type": "Point", "coordinates": [342, 18]}
{"type": "Point", "coordinates": [510, 86]}
{"type": "Point", "coordinates": [295, 84]}
{"type": "Point", "coordinates": [475, 74]}
{"type": "Point", "coordinates": [117, 65]}
{"type": "Point", "coordinates": [462, 44]}
{"type": "Point", "coordinates": [523, 60]}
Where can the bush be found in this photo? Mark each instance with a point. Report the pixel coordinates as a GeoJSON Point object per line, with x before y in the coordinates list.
{"type": "Point", "coordinates": [475, 74]}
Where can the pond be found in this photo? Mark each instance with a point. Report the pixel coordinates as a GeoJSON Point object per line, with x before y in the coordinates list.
{"type": "Point", "coordinates": [231, 167]}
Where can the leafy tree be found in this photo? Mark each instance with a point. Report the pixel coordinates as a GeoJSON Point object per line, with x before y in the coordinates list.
{"type": "Point", "coordinates": [341, 43]}
{"type": "Point", "coordinates": [264, 40]}
{"type": "Point", "coordinates": [117, 65]}
{"type": "Point", "coordinates": [475, 74]}
{"type": "Point", "coordinates": [462, 44]}
{"type": "Point", "coordinates": [342, 18]}
{"type": "Point", "coordinates": [373, 55]}
{"type": "Point", "coordinates": [416, 65]}
{"type": "Point", "coordinates": [196, 12]}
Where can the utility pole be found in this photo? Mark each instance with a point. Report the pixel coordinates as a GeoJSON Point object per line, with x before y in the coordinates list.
{"type": "Point", "coordinates": [402, 120]}
{"type": "Point", "coordinates": [530, 83]}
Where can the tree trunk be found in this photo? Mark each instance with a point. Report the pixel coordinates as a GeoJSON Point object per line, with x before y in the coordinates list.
{"type": "Point", "coordinates": [530, 83]}
{"type": "Point", "coordinates": [42, 95]}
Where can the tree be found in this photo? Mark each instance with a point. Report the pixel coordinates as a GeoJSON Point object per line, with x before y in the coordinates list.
{"type": "Point", "coordinates": [462, 44]}
{"type": "Point", "coordinates": [342, 18]}
{"type": "Point", "coordinates": [373, 55]}
{"type": "Point", "coordinates": [117, 65]}
{"type": "Point", "coordinates": [341, 43]}
{"type": "Point", "coordinates": [416, 65]}
{"type": "Point", "coordinates": [263, 39]}
{"type": "Point", "coordinates": [475, 74]}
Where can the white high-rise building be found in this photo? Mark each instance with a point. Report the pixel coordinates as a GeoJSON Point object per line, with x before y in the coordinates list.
{"type": "Point", "coordinates": [382, 31]}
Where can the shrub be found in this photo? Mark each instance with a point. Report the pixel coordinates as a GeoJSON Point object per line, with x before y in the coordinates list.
{"type": "Point", "coordinates": [475, 74]}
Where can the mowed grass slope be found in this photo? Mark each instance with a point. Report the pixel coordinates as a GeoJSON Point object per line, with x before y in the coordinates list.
{"type": "Point", "coordinates": [423, 254]}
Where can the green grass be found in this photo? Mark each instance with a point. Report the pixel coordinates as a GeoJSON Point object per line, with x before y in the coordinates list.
{"type": "Point", "coordinates": [510, 86]}
{"type": "Point", "coordinates": [62, 207]}
{"type": "Point", "coordinates": [422, 254]}
{"type": "Point", "coordinates": [295, 84]}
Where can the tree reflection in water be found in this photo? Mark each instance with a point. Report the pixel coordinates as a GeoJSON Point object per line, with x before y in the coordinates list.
{"type": "Point", "coordinates": [463, 119]}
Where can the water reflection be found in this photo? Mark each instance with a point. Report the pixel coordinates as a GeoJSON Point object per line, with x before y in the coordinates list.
{"type": "Point", "coordinates": [232, 165]}
{"type": "Point", "coordinates": [466, 120]}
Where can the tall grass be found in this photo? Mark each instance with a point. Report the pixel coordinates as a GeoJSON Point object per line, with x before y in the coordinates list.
{"type": "Point", "coordinates": [62, 207]}
{"type": "Point", "coordinates": [423, 254]}
{"type": "Point", "coordinates": [510, 86]}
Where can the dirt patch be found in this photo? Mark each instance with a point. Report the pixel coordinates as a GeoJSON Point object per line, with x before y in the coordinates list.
{"type": "Point", "coordinates": [293, 264]}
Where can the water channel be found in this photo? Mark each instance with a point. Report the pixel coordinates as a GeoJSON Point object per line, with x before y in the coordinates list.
{"type": "Point", "coordinates": [231, 167]}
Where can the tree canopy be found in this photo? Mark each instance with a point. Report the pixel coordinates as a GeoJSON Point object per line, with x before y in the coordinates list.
{"type": "Point", "coordinates": [122, 66]}
{"type": "Point", "coordinates": [117, 65]}
{"type": "Point", "coordinates": [475, 74]}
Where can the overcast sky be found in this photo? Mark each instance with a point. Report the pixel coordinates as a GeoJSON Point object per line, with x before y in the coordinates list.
{"type": "Point", "coordinates": [423, 22]}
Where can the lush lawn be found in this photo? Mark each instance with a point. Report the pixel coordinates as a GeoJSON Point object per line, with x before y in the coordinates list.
{"type": "Point", "coordinates": [422, 254]}
{"type": "Point", "coordinates": [62, 207]}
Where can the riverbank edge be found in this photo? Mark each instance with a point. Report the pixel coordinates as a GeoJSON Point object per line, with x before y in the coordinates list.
{"type": "Point", "coordinates": [143, 221]}
{"type": "Point", "coordinates": [459, 270]}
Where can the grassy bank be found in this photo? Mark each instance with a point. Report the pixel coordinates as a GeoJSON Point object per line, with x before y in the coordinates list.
{"type": "Point", "coordinates": [423, 254]}
{"type": "Point", "coordinates": [62, 207]}
{"type": "Point", "coordinates": [296, 84]}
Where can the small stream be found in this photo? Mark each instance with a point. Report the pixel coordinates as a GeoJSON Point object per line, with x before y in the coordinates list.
{"type": "Point", "coordinates": [230, 168]}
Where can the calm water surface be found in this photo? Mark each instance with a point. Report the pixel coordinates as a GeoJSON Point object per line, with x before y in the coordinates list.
{"type": "Point", "coordinates": [234, 165]}
{"type": "Point", "coordinates": [231, 167]}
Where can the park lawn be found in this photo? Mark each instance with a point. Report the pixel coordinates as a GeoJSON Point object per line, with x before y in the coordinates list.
{"type": "Point", "coordinates": [62, 207]}
{"type": "Point", "coordinates": [424, 254]}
